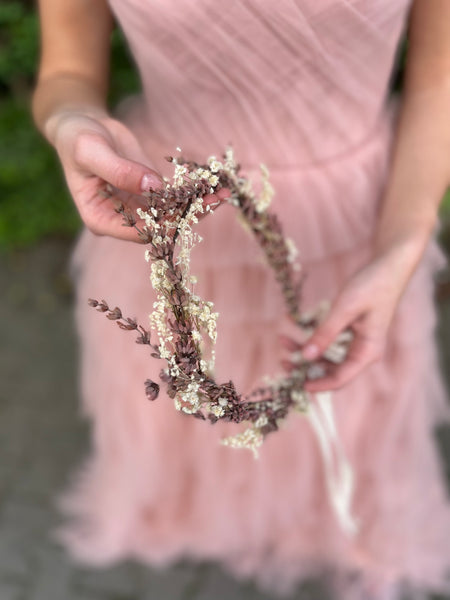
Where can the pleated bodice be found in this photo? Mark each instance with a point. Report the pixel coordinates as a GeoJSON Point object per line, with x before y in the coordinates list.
{"type": "Point", "coordinates": [291, 82]}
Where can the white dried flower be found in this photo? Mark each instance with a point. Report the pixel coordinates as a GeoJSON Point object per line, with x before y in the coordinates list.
{"type": "Point", "coordinates": [251, 438]}
{"type": "Point", "coordinates": [214, 164]}
{"type": "Point", "coordinates": [230, 163]}
{"type": "Point", "coordinates": [292, 250]}
{"type": "Point", "coordinates": [216, 410]}
{"type": "Point", "coordinates": [196, 336]}
{"type": "Point", "coordinates": [203, 173]}
{"type": "Point", "coordinates": [300, 400]}
{"type": "Point", "coordinates": [265, 197]}
{"type": "Point", "coordinates": [191, 397]}
{"type": "Point", "coordinates": [261, 421]}
{"type": "Point", "coordinates": [148, 219]}
{"type": "Point", "coordinates": [179, 175]}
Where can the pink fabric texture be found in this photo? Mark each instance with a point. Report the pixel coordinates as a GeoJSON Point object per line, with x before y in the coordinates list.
{"type": "Point", "coordinates": [301, 86]}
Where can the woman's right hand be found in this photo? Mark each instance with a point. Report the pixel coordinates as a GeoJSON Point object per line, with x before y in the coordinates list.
{"type": "Point", "coordinates": [96, 150]}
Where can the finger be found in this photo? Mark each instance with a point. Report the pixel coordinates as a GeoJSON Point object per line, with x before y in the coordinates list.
{"type": "Point", "coordinates": [223, 193]}
{"type": "Point", "coordinates": [288, 343]}
{"type": "Point", "coordinates": [95, 155]}
{"type": "Point", "coordinates": [363, 353]}
{"type": "Point", "coordinates": [339, 319]}
{"type": "Point", "coordinates": [337, 377]}
{"type": "Point", "coordinates": [99, 215]}
{"type": "Point", "coordinates": [216, 199]}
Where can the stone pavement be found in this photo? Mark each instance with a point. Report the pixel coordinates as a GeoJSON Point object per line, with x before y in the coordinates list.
{"type": "Point", "coordinates": [42, 440]}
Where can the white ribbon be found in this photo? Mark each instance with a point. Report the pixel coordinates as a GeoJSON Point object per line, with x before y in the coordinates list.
{"type": "Point", "coordinates": [338, 472]}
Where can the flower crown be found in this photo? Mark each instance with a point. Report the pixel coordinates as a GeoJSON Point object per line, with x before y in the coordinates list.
{"type": "Point", "coordinates": [184, 322]}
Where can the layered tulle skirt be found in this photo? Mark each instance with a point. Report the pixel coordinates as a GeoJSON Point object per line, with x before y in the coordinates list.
{"type": "Point", "coordinates": [158, 486]}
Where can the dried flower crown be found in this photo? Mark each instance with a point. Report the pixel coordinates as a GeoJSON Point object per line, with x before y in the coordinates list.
{"type": "Point", "coordinates": [184, 322]}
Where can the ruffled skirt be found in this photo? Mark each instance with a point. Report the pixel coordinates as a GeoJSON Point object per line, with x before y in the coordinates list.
{"type": "Point", "coordinates": [158, 485]}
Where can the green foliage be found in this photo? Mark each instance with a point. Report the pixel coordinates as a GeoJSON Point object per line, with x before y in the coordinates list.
{"type": "Point", "coordinates": [34, 201]}
{"type": "Point", "coordinates": [33, 198]}
{"type": "Point", "coordinates": [18, 46]}
{"type": "Point", "coordinates": [445, 206]}
{"type": "Point", "coordinates": [124, 78]}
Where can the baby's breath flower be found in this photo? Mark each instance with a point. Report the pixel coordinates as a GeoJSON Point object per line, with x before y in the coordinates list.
{"type": "Point", "coordinates": [266, 195]}
{"type": "Point", "coordinates": [203, 173]}
{"type": "Point", "coordinates": [300, 399]}
{"type": "Point", "coordinates": [196, 335]}
{"type": "Point", "coordinates": [230, 163]}
{"type": "Point", "coordinates": [190, 397]}
{"type": "Point", "coordinates": [251, 438]}
{"type": "Point", "coordinates": [217, 411]}
{"type": "Point", "coordinates": [292, 250]}
{"type": "Point", "coordinates": [214, 165]}
{"type": "Point", "coordinates": [179, 175]}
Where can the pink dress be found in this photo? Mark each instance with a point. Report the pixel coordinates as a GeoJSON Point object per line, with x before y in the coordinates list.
{"type": "Point", "coordinates": [301, 86]}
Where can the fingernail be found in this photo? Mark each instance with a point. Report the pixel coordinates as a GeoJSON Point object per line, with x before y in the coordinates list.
{"type": "Point", "coordinates": [150, 181]}
{"type": "Point", "coordinates": [310, 352]}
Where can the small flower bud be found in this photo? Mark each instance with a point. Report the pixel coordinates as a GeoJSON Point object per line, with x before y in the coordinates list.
{"type": "Point", "coordinates": [151, 389]}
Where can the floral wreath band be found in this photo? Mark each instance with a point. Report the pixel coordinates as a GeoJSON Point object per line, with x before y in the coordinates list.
{"type": "Point", "coordinates": [185, 323]}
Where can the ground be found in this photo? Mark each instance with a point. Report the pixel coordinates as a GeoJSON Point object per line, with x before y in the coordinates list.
{"type": "Point", "coordinates": [43, 439]}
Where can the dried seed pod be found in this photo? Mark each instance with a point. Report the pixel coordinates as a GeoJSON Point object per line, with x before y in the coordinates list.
{"type": "Point", "coordinates": [151, 389]}
{"type": "Point", "coordinates": [114, 314]}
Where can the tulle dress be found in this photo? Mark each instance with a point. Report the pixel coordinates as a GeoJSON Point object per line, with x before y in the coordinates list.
{"type": "Point", "coordinates": [301, 86]}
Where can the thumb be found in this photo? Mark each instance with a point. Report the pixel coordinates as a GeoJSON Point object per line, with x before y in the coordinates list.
{"type": "Point", "coordinates": [95, 155]}
{"type": "Point", "coordinates": [337, 320]}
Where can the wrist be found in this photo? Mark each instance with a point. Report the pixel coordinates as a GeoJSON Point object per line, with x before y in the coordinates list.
{"type": "Point", "coordinates": [403, 252]}
{"type": "Point", "coordinates": [51, 125]}
{"type": "Point", "coordinates": [62, 95]}
{"type": "Point", "coordinates": [411, 231]}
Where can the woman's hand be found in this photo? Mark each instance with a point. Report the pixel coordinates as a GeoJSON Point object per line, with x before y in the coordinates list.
{"type": "Point", "coordinates": [96, 150]}
{"type": "Point", "coordinates": [366, 306]}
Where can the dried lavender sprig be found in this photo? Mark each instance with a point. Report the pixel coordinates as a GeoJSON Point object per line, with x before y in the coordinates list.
{"type": "Point", "coordinates": [125, 323]}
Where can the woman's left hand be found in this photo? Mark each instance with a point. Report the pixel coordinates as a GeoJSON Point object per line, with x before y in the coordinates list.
{"type": "Point", "coordinates": [366, 306]}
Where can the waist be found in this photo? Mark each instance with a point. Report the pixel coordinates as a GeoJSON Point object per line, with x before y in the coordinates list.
{"type": "Point", "coordinates": [282, 147]}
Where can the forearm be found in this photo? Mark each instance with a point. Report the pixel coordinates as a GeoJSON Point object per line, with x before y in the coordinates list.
{"type": "Point", "coordinates": [74, 66]}
{"type": "Point", "coordinates": [420, 172]}
{"type": "Point", "coordinates": [420, 165]}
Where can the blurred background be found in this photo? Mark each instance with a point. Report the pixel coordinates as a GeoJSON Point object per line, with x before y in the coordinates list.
{"type": "Point", "coordinates": [41, 434]}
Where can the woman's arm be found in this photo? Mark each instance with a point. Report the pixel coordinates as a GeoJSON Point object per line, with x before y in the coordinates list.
{"type": "Point", "coordinates": [74, 64]}
{"type": "Point", "coordinates": [420, 172]}
{"type": "Point", "coordinates": [69, 107]}
{"type": "Point", "coordinates": [419, 176]}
